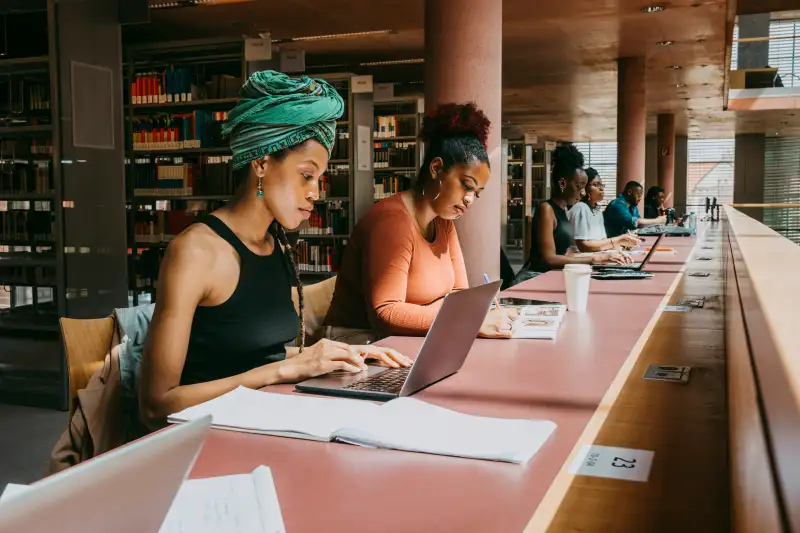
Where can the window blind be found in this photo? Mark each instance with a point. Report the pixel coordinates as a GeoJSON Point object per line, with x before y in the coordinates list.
{"type": "Point", "coordinates": [782, 184]}
{"type": "Point", "coordinates": [710, 172]}
{"type": "Point", "coordinates": [602, 156]}
{"type": "Point", "coordinates": [784, 50]}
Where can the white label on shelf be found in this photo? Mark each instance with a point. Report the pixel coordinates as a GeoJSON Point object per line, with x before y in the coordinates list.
{"type": "Point", "coordinates": [259, 49]}
{"type": "Point", "coordinates": [364, 153]}
{"type": "Point", "coordinates": [361, 84]}
{"type": "Point", "coordinates": [611, 462]}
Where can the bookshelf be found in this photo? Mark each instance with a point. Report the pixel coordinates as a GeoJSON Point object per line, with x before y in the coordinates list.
{"type": "Point", "coordinates": [178, 165]}
{"type": "Point", "coordinates": [527, 184]}
{"type": "Point", "coordinates": [32, 286]}
{"type": "Point", "coordinates": [397, 148]}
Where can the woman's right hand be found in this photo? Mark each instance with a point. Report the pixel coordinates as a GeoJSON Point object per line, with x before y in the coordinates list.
{"type": "Point", "coordinates": [499, 323]}
{"type": "Point", "coordinates": [324, 357]}
{"type": "Point", "coordinates": [627, 240]}
{"type": "Point", "coordinates": [605, 258]}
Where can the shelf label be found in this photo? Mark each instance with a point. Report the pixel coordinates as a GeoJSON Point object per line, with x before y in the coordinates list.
{"type": "Point", "coordinates": [618, 463]}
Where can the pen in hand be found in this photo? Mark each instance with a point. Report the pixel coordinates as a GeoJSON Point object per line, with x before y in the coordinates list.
{"type": "Point", "coordinates": [496, 301]}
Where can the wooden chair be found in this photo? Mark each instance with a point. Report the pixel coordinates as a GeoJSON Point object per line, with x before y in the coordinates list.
{"type": "Point", "coordinates": [86, 343]}
{"type": "Point", "coordinates": [317, 299]}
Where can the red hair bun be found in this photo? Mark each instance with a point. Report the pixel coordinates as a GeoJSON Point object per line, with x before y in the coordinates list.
{"type": "Point", "coordinates": [455, 120]}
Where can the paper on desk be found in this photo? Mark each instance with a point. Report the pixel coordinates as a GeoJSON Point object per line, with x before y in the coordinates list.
{"type": "Point", "coordinates": [226, 504]}
{"type": "Point", "coordinates": [12, 490]}
{"type": "Point", "coordinates": [286, 415]}
{"type": "Point", "coordinates": [412, 425]}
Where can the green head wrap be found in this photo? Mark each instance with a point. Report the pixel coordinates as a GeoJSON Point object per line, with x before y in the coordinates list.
{"type": "Point", "coordinates": [276, 112]}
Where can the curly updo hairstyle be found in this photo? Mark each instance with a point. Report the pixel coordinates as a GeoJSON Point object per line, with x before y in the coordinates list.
{"type": "Point", "coordinates": [456, 133]}
{"type": "Point", "coordinates": [567, 163]}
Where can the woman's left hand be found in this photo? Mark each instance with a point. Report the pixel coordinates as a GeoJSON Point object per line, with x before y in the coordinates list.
{"type": "Point", "coordinates": [620, 258]}
{"type": "Point", "coordinates": [384, 356]}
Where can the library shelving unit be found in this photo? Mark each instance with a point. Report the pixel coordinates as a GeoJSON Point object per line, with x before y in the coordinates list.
{"type": "Point", "coordinates": [397, 147]}
{"type": "Point", "coordinates": [178, 165]}
{"type": "Point", "coordinates": [527, 184]}
{"type": "Point", "coordinates": [32, 286]}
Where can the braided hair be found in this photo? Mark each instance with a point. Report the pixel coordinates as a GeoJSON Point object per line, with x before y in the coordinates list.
{"type": "Point", "coordinates": [280, 235]}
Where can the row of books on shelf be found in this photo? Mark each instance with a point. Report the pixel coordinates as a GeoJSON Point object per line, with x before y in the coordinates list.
{"type": "Point", "coordinates": [27, 276]}
{"type": "Point", "coordinates": [39, 96]}
{"type": "Point", "coordinates": [26, 226]}
{"type": "Point", "coordinates": [386, 186]}
{"type": "Point", "coordinates": [22, 149]}
{"type": "Point", "coordinates": [387, 127]}
{"type": "Point", "coordinates": [19, 177]}
{"type": "Point", "coordinates": [327, 220]}
{"type": "Point", "coordinates": [395, 154]}
{"type": "Point", "coordinates": [175, 176]}
{"type": "Point", "coordinates": [317, 258]}
{"type": "Point", "coordinates": [175, 131]}
{"type": "Point", "coordinates": [182, 84]}
{"type": "Point", "coordinates": [158, 226]}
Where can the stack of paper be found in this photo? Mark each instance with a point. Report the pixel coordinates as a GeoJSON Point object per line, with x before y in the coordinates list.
{"type": "Point", "coordinates": [401, 424]}
{"type": "Point", "coordinates": [226, 504]}
{"type": "Point", "coordinates": [539, 321]}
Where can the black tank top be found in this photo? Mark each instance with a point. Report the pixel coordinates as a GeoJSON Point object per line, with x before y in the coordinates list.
{"type": "Point", "coordinates": [249, 329]}
{"type": "Point", "coordinates": [562, 237]}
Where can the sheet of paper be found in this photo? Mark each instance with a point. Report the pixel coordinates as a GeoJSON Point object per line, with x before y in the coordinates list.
{"type": "Point", "coordinates": [12, 490]}
{"type": "Point", "coordinates": [227, 504]}
{"type": "Point", "coordinates": [535, 328]}
{"type": "Point", "coordinates": [413, 425]}
{"type": "Point", "coordinates": [262, 412]}
{"type": "Point", "coordinates": [607, 461]}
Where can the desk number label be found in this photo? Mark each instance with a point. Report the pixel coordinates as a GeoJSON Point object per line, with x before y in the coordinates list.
{"type": "Point", "coordinates": [618, 463]}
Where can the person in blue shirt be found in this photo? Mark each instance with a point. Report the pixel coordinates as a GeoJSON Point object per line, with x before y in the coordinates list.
{"type": "Point", "coordinates": [622, 213]}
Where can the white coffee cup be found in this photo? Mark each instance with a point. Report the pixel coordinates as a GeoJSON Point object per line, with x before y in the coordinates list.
{"type": "Point", "coordinates": [576, 279]}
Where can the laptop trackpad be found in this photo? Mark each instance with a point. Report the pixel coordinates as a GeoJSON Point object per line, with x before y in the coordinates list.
{"type": "Point", "coordinates": [341, 378]}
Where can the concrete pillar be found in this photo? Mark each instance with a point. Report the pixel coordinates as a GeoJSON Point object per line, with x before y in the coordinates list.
{"type": "Point", "coordinates": [631, 121]}
{"type": "Point", "coordinates": [748, 173]}
{"type": "Point", "coordinates": [651, 162]}
{"type": "Point", "coordinates": [463, 63]}
{"type": "Point", "coordinates": [681, 173]}
{"type": "Point", "coordinates": [666, 156]}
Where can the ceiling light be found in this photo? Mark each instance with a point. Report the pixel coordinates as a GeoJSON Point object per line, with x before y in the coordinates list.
{"type": "Point", "coordinates": [673, 67]}
{"type": "Point", "coordinates": [680, 85]}
{"type": "Point", "coordinates": [341, 35]}
{"type": "Point", "coordinates": [653, 9]}
{"type": "Point", "coordinates": [701, 41]}
{"type": "Point", "coordinates": [188, 3]}
{"type": "Point", "coordinates": [393, 62]}
{"type": "Point", "coordinates": [665, 43]}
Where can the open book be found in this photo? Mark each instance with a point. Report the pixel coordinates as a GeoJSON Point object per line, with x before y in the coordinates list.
{"type": "Point", "coordinates": [400, 424]}
{"type": "Point", "coordinates": [539, 321]}
{"type": "Point", "coordinates": [225, 504]}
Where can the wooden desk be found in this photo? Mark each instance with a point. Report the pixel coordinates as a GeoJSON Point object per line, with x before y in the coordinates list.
{"type": "Point", "coordinates": [574, 381]}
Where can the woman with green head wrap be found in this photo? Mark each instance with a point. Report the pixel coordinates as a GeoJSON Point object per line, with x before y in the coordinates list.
{"type": "Point", "coordinates": [225, 311]}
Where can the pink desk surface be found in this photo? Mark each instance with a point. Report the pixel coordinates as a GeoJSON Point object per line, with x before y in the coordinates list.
{"type": "Point", "coordinates": [331, 487]}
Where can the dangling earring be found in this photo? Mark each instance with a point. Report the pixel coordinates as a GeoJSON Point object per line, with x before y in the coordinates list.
{"type": "Point", "coordinates": [562, 187]}
{"type": "Point", "coordinates": [260, 189]}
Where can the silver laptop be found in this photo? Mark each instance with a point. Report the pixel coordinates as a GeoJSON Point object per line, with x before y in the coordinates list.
{"type": "Point", "coordinates": [632, 266]}
{"type": "Point", "coordinates": [127, 490]}
{"type": "Point", "coordinates": [443, 352]}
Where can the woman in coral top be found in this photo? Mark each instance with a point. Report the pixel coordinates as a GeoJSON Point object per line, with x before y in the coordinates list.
{"type": "Point", "coordinates": [404, 255]}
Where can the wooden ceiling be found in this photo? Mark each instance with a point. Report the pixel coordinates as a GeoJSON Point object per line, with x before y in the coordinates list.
{"type": "Point", "coordinates": [559, 56]}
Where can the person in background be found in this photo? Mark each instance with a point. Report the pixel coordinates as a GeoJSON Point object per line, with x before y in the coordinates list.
{"type": "Point", "coordinates": [654, 202]}
{"type": "Point", "coordinates": [224, 313]}
{"type": "Point", "coordinates": [586, 218]}
{"type": "Point", "coordinates": [404, 256]}
{"type": "Point", "coordinates": [551, 231]}
{"type": "Point", "coordinates": [622, 213]}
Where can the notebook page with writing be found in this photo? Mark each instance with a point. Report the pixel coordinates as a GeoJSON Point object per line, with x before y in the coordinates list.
{"type": "Point", "coordinates": [226, 504]}
{"type": "Point", "coordinates": [412, 425]}
{"type": "Point", "coordinates": [284, 415]}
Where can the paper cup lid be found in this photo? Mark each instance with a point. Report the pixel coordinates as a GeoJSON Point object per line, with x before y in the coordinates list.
{"type": "Point", "coordinates": [578, 268]}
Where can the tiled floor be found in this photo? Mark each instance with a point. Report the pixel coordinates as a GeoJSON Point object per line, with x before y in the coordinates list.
{"type": "Point", "coordinates": [27, 437]}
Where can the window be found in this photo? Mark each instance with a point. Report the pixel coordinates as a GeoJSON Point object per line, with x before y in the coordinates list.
{"type": "Point", "coordinates": [710, 172]}
{"type": "Point", "coordinates": [782, 185]}
{"type": "Point", "coordinates": [784, 50]}
{"type": "Point", "coordinates": [602, 156]}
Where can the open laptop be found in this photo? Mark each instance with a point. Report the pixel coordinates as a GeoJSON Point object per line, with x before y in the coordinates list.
{"type": "Point", "coordinates": [632, 266]}
{"type": "Point", "coordinates": [629, 271]}
{"type": "Point", "coordinates": [443, 352]}
{"type": "Point", "coordinates": [127, 490]}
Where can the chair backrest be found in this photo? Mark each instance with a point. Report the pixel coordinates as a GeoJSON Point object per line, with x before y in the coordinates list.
{"type": "Point", "coordinates": [317, 300]}
{"type": "Point", "coordinates": [86, 343]}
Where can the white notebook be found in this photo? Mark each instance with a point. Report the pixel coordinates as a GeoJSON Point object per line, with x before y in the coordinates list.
{"type": "Point", "coordinates": [539, 321]}
{"type": "Point", "coordinates": [225, 504]}
{"type": "Point", "coordinates": [401, 424]}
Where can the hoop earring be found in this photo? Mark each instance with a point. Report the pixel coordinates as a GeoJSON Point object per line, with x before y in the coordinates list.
{"type": "Point", "coordinates": [440, 191]}
{"type": "Point", "coordinates": [260, 187]}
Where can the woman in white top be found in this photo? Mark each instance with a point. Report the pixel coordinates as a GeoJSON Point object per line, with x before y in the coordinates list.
{"type": "Point", "coordinates": [586, 218]}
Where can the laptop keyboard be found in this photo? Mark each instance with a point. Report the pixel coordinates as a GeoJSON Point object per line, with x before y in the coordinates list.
{"type": "Point", "coordinates": [390, 380]}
